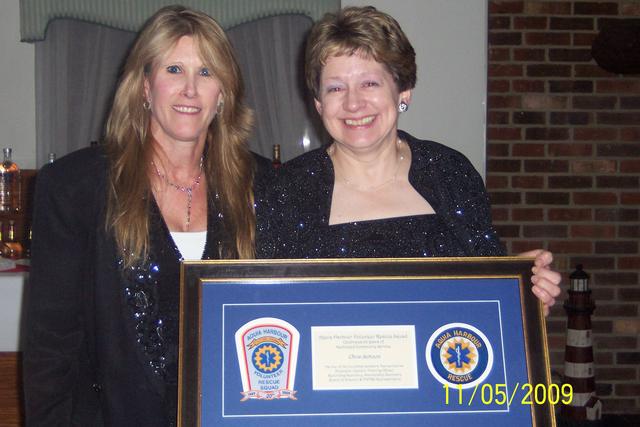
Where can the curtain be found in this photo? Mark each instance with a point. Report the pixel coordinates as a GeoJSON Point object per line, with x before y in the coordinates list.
{"type": "Point", "coordinates": [77, 67]}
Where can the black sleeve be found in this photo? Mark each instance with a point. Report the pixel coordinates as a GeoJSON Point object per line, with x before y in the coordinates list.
{"type": "Point", "coordinates": [54, 326]}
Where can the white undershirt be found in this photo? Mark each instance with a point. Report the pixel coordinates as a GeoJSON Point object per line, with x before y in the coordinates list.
{"type": "Point", "coordinates": [190, 244]}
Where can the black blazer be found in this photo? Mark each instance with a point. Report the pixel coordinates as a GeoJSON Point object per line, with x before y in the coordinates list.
{"type": "Point", "coordinates": [81, 362]}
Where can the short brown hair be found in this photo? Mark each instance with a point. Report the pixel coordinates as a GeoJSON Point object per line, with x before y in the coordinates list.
{"type": "Point", "coordinates": [360, 31]}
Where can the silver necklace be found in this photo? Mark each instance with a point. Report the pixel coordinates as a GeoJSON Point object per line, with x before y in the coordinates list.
{"type": "Point", "coordinates": [393, 178]}
{"type": "Point", "coordinates": [188, 190]}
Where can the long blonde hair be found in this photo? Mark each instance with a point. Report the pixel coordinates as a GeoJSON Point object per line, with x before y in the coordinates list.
{"type": "Point", "coordinates": [228, 163]}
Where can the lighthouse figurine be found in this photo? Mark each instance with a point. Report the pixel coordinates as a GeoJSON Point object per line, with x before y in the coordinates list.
{"type": "Point", "coordinates": [578, 366]}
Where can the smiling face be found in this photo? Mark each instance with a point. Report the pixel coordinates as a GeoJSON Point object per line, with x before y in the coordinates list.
{"type": "Point", "coordinates": [183, 95]}
{"type": "Point", "coordinates": [358, 102]}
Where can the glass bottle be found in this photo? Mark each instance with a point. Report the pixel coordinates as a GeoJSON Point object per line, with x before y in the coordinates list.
{"type": "Point", "coordinates": [14, 247]}
{"type": "Point", "coordinates": [276, 162]}
{"type": "Point", "coordinates": [9, 184]}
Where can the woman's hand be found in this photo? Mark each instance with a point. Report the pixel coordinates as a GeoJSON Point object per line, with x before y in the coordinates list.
{"type": "Point", "coordinates": [546, 282]}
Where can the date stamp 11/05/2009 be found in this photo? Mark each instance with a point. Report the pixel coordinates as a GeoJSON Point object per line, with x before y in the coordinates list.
{"type": "Point", "coordinates": [501, 394]}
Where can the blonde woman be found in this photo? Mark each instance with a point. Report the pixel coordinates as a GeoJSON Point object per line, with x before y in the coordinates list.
{"type": "Point", "coordinates": [174, 180]}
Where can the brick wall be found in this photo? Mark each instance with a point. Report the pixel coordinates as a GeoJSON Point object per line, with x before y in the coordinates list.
{"type": "Point", "coordinates": [563, 169]}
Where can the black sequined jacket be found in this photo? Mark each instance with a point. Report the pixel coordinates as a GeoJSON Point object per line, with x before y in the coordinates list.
{"type": "Point", "coordinates": [295, 220]}
{"type": "Point", "coordinates": [100, 342]}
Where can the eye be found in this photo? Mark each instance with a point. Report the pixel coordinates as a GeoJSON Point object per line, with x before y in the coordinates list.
{"type": "Point", "coordinates": [370, 83]}
{"type": "Point", "coordinates": [205, 72]}
{"type": "Point", "coordinates": [331, 89]}
{"type": "Point", "coordinates": [173, 69]}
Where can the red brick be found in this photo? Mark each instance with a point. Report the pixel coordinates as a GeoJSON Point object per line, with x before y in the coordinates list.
{"type": "Point", "coordinates": [570, 247]}
{"type": "Point", "coordinates": [501, 55]}
{"type": "Point", "coordinates": [495, 101]}
{"type": "Point", "coordinates": [618, 118]}
{"type": "Point", "coordinates": [629, 263]}
{"type": "Point", "coordinates": [548, 70]}
{"type": "Point", "coordinates": [617, 247]}
{"type": "Point", "coordinates": [620, 86]}
{"type": "Point", "coordinates": [527, 214]}
{"type": "Point", "coordinates": [632, 390]}
{"type": "Point", "coordinates": [500, 214]}
{"type": "Point", "coordinates": [505, 38]}
{"type": "Point", "coordinates": [630, 198]}
{"type": "Point", "coordinates": [570, 215]}
{"type": "Point", "coordinates": [618, 182]}
{"type": "Point", "coordinates": [594, 102]}
{"type": "Point", "coordinates": [505, 198]}
{"type": "Point", "coordinates": [497, 182]}
{"type": "Point", "coordinates": [594, 263]}
{"type": "Point", "coordinates": [528, 86]}
{"type": "Point", "coordinates": [506, 231]}
{"type": "Point", "coordinates": [570, 55]}
{"type": "Point", "coordinates": [573, 118]}
{"type": "Point", "coordinates": [594, 231]}
{"type": "Point", "coordinates": [556, 182]}
{"type": "Point", "coordinates": [517, 247]}
{"type": "Point", "coordinates": [629, 294]}
{"type": "Point", "coordinates": [546, 198]}
{"type": "Point", "coordinates": [613, 278]}
{"type": "Point", "coordinates": [617, 310]}
{"type": "Point", "coordinates": [527, 150]}
{"type": "Point", "coordinates": [547, 8]}
{"type": "Point", "coordinates": [559, 23]}
{"type": "Point", "coordinates": [584, 39]}
{"type": "Point", "coordinates": [618, 150]}
{"type": "Point", "coordinates": [530, 22]}
{"type": "Point", "coordinates": [593, 166]}
{"type": "Point", "coordinates": [574, 86]}
{"type": "Point", "coordinates": [497, 150]}
{"type": "Point", "coordinates": [630, 102]}
{"type": "Point", "coordinates": [631, 8]}
{"type": "Point", "coordinates": [616, 406]}
{"type": "Point", "coordinates": [535, 101]}
{"type": "Point", "coordinates": [497, 118]}
{"type": "Point", "coordinates": [498, 86]}
{"type": "Point", "coordinates": [619, 215]}
{"type": "Point", "coordinates": [548, 166]}
{"type": "Point", "coordinates": [501, 6]}
{"type": "Point", "coordinates": [570, 149]}
{"type": "Point", "coordinates": [595, 134]}
{"type": "Point", "coordinates": [503, 165]}
{"type": "Point", "coordinates": [630, 134]}
{"type": "Point", "coordinates": [502, 70]}
{"type": "Point", "coordinates": [595, 8]}
{"type": "Point", "coordinates": [601, 358]}
{"type": "Point", "coordinates": [542, 231]}
{"type": "Point", "coordinates": [527, 181]}
{"type": "Point", "coordinates": [629, 231]}
{"type": "Point", "coordinates": [547, 39]}
{"type": "Point", "coordinates": [504, 134]}
{"type": "Point", "coordinates": [529, 117]}
{"type": "Point", "coordinates": [591, 198]}
{"type": "Point", "coordinates": [499, 23]}
{"type": "Point", "coordinates": [601, 295]}
{"type": "Point", "coordinates": [529, 55]}
{"type": "Point", "coordinates": [587, 70]}
{"type": "Point", "coordinates": [547, 134]}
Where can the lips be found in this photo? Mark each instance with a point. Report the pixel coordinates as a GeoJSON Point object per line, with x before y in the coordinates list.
{"type": "Point", "coordinates": [186, 109]}
{"type": "Point", "coordinates": [359, 122]}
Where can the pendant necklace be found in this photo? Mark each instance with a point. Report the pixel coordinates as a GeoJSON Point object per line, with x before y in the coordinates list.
{"type": "Point", "coordinates": [187, 190]}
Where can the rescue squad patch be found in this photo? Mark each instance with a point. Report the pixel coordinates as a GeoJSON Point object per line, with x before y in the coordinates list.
{"type": "Point", "coordinates": [267, 351]}
{"type": "Point", "coordinates": [459, 355]}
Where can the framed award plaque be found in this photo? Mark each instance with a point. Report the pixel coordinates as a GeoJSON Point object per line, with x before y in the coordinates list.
{"type": "Point", "coordinates": [363, 342]}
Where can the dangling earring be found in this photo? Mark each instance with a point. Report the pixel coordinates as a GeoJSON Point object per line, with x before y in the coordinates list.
{"type": "Point", "coordinates": [220, 107]}
{"type": "Point", "coordinates": [146, 105]}
{"type": "Point", "coordinates": [402, 107]}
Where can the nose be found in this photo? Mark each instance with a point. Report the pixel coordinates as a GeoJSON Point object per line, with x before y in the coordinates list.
{"type": "Point", "coordinates": [190, 88]}
{"type": "Point", "coordinates": [353, 100]}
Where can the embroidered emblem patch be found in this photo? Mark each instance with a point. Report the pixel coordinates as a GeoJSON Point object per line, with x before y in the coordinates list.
{"type": "Point", "coordinates": [459, 354]}
{"type": "Point", "coordinates": [267, 351]}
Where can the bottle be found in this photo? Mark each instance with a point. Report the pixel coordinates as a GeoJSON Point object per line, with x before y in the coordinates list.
{"type": "Point", "coordinates": [9, 184]}
{"type": "Point", "coordinates": [14, 247]}
{"type": "Point", "coordinates": [27, 245]}
{"type": "Point", "coordinates": [276, 162]}
{"type": "Point", "coordinates": [52, 158]}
